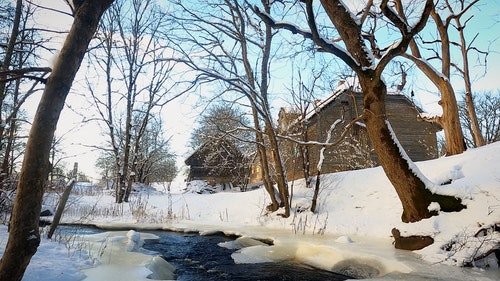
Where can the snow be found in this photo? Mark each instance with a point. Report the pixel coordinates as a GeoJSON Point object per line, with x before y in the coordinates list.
{"type": "Point", "coordinates": [53, 261]}
{"type": "Point", "coordinates": [355, 18]}
{"type": "Point", "coordinates": [122, 258]}
{"type": "Point", "coordinates": [350, 233]}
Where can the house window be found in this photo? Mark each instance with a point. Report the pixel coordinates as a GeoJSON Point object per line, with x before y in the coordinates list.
{"type": "Point", "coordinates": [256, 169]}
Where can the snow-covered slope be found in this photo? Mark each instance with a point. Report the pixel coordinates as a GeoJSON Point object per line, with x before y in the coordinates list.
{"type": "Point", "coordinates": [353, 222]}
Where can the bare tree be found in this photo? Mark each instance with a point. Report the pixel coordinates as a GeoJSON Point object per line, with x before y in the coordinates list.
{"type": "Point", "coordinates": [464, 70]}
{"type": "Point", "coordinates": [133, 54]}
{"type": "Point", "coordinates": [224, 43]}
{"type": "Point", "coordinates": [24, 235]}
{"type": "Point", "coordinates": [17, 69]}
{"type": "Point", "coordinates": [487, 108]}
{"type": "Point", "coordinates": [449, 120]}
{"type": "Point", "coordinates": [369, 64]}
{"type": "Point", "coordinates": [303, 102]}
{"type": "Point", "coordinates": [153, 159]}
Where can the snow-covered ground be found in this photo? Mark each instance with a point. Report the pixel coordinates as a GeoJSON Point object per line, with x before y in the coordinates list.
{"type": "Point", "coordinates": [351, 229]}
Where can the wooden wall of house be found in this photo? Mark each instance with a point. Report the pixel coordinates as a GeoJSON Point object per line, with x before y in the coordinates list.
{"type": "Point", "coordinates": [418, 138]}
{"type": "Point", "coordinates": [217, 162]}
{"type": "Point", "coordinates": [355, 152]}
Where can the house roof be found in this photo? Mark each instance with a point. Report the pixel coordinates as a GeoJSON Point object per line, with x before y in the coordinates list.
{"type": "Point", "coordinates": [350, 84]}
{"type": "Point", "coordinates": [210, 145]}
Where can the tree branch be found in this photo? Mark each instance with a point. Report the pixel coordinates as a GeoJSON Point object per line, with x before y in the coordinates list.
{"type": "Point", "coordinates": [327, 46]}
{"type": "Point", "coordinates": [407, 32]}
{"type": "Point", "coordinates": [11, 75]}
{"type": "Point", "coordinates": [327, 144]}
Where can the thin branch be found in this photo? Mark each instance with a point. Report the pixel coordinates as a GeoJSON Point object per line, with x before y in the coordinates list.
{"type": "Point", "coordinates": [407, 32]}
{"type": "Point", "coordinates": [11, 75]}
{"type": "Point", "coordinates": [327, 144]}
{"type": "Point", "coordinates": [327, 46]}
{"type": "Point", "coordinates": [54, 10]}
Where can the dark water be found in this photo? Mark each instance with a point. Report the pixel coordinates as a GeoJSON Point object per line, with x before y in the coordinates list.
{"type": "Point", "coordinates": [200, 258]}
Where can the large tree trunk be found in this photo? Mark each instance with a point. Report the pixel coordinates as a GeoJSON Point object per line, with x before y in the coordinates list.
{"type": "Point", "coordinates": [469, 100]}
{"type": "Point", "coordinates": [264, 163]}
{"type": "Point", "coordinates": [415, 197]}
{"type": "Point", "coordinates": [450, 120]}
{"type": "Point", "coordinates": [266, 178]}
{"type": "Point", "coordinates": [471, 113]}
{"type": "Point", "coordinates": [125, 184]}
{"type": "Point", "coordinates": [24, 236]}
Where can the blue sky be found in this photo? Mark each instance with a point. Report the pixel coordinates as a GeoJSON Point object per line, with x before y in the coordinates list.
{"type": "Point", "coordinates": [180, 115]}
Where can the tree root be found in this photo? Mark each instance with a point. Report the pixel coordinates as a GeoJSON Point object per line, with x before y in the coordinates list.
{"type": "Point", "coordinates": [412, 242]}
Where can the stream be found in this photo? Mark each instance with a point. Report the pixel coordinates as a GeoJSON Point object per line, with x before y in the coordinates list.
{"type": "Point", "coordinates": [199, 257]}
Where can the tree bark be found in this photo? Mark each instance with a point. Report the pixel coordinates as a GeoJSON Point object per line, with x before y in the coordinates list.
{"type": "Point", "coordinates": [264, 164]}
{"type": "Point", "coordinates": [449, 120]}
{"type": "Point", "coordinates": [264, 105]}
{"type": "Point", "coordinates": [62, 202]}
{"type": "Point", "coordinates": [317, 185]}
{"type": "Point", "coordinates": [60, 208]}
{"type": "Point", "coordinates": [24, 236]}
{"type": "Point", "coordinates": [304, 152]}
{"type": "Point", "coordinates": [471, 113]}
{"type": "Point", "coordinates": [412, 192]}
{"type": "Point", "coordinates": [280, 176]}
{"type": "Point", "coordinates": [469, 100]}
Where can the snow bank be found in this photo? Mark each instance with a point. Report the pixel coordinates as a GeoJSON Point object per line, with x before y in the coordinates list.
{"type": "Point", "coordinates": [336, 259]}
{"type": "Point", "coordinates": [121, 257]}
{"type": "Point", "coordinates": [52, 261]}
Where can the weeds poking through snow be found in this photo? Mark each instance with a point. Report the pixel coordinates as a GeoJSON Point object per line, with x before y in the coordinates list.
{"type": "Point", "coordinates": [301, 222]}
{"type": "Point", "coordinates": [474, 250]}
{"type": "Point", "coordinates": [224, 216]}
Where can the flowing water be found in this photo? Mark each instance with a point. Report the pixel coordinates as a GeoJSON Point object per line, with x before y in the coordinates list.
{"type": "Point", "coordinates": [200, 258]}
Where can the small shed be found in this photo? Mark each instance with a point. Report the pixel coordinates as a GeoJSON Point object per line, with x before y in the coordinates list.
{"type": "Point", "coordinates": [217, 162]}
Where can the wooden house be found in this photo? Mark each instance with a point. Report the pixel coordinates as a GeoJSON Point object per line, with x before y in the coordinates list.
{"type": "Point", "coordinates": [217, 162]}
{"type": "Point", "coordinates": [418, 138]}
